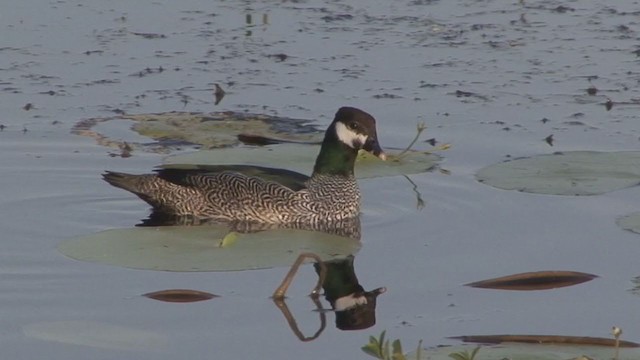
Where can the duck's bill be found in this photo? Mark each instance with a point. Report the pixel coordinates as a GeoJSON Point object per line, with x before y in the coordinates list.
{"type": "Point", "coordinates": [373, 147]}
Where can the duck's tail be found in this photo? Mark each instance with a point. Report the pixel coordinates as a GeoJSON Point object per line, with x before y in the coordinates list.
{"type": "Point", "coordinates": [129, 182]}
{"type": "Point", "coordinates": [160, 194]}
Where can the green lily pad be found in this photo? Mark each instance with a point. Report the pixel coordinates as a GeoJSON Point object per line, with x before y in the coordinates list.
{"type": "Point", "coordinates": [514, 351]}
{"type": "Point", "coordinates": [201, 248]}
{"type": "Point", "coordinates": [568, 173]}
{"type": "Point", "coordinates": [630, 222]}
{"type": "Point", "coordinates": [210, 130]}
{"type": "Point", "coordinates": [97, 335]}
{"type": "Point", "coordinates": [301, 158]}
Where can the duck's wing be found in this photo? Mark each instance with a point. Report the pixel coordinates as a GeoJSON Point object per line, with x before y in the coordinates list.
{"type": "Point", "coordinates": [183, 174]}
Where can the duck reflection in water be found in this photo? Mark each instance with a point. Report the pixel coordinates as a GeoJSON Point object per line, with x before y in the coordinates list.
{"type": "Point", "coordinates": [355, 308]}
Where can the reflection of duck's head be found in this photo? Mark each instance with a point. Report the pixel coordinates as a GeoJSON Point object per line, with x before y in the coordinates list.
{"type": "Point", "coordinates": [355, 308]}
{"type": "Point", "coordinates": [357, 311]}
{"type": "Point", "coordinates": [261, 194]}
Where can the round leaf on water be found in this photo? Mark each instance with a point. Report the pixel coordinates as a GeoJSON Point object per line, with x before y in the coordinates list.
{"type": "Point", "coordinates": [630, 222]}
{"type": "Point", "coordinates": [97, 335]}
{"type": "Point", "coordinates": [211, 130]}
{"type": "Point", "coordinates": [569, 173]}
{"type": "Point", "coordinates": [201, 248]}
{"type": "Point", "coordinates": [301, 158]}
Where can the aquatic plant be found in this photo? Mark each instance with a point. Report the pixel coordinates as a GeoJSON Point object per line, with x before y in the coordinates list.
{"type": "Point", "coordinates": [465, 355]}
{"type": "Point", "coordinates": [379, 348]}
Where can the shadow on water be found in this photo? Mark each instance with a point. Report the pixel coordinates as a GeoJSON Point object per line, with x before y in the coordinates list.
{"type": "Point", "coordinates": [354, 307]}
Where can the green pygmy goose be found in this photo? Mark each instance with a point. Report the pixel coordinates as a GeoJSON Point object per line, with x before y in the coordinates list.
{"type": "Point", "coordinates": [245, 193]}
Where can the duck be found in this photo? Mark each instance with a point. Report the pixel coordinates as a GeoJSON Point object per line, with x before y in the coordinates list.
{"type": "Point", "coordinates": [264, 195]}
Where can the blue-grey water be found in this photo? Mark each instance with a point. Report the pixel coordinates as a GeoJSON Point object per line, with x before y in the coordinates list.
{"type": "Point", "coordinates": [402, 61]}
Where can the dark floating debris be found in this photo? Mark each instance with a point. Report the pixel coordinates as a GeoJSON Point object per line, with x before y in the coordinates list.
{"type": "Point", "coordinates": [259, 140]}
{"type": "Point", "coordinates": [574, 123]}
{"type": "Point", "coordinates": [150, 35]}
{"type": "Point", "coordinates": [608, 105]}
{"type": "Point", "coordinates": [538, 280]}
{"type": "Point", "coordinates": [180, 295]}
{"type": "Point", "coordinates": [218, 94]}
{"type": "Point", "coordinates": [337, 17]}
{"type": "Point", "coordinates": [431, 141]}
{"type": "Point", "coordinates": [545, 339]}
{"type": "Point", "coordinates": [125, 151]}
{"type": "Point", "coordinates": [28, 107]}
{"type": "Point", "coordinates": [460, 93]}
{"type": "Point", "coordinates": [562, 9]}
{"type": "Point", "coordinates": [249, 139]}
{"type": "Point", "coordinates": [148, 71]}
{"type": "Point", "coordinates": [549, 140]}
{"type": "Point", "coordinates": [279, 57]}
{"type": "Point", "coordinates": [386, 96]}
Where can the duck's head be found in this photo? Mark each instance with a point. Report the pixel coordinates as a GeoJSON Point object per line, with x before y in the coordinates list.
{"type": "Point", "coordinates": [357, 129]}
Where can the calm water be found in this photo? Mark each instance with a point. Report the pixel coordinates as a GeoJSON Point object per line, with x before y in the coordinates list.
{"type": "Point", "coordinates": [403, 61]}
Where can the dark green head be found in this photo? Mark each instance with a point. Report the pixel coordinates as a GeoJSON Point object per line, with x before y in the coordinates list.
{"type": "Point", "coordinates": [351, 130]}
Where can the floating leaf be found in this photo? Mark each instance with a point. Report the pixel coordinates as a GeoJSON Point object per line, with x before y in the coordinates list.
{"type": "Point", "coordinates": [545, 339]}
{"type": "Point", "coordinates": [513, 351]}
{"type": "Point", "coordinates": [229, 239]}
{"type": "Point", "coordinates": [568, 173]}
{"type": "Point", "coordinates": [210, 130]}
{"type": "Point", "coordinates": [539, 280]}
{"type": "Point", "coordinates": [180, 295]}
{"type": "Point", "coordinates": [630, 222]}
{"type": "Point", "coordinates": [301, 158]}
{"type": "Point", "coordinates": [197, 248]}
{"type": "Point", "coordinates": [95, 334]}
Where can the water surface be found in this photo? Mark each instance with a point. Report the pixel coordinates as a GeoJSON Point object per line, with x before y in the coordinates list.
{"type": "Point", "coordinates": [481, 74]}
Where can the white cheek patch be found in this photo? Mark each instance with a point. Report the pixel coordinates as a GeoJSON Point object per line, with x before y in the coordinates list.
{"type": "Point", "coordinates": [350, 137]}
{"type": "Point", "coordinates": [349, 301]}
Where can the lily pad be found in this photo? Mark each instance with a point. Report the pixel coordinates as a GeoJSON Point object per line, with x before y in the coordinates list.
{"type": "Point", "coordinates": [210, 130]}
{"type": "Point", "coordinates": [568, 173]}
{"type": "Point", "coordinates": [514, 351]}
{"type": "Point", "coordinates": [96, 334]}
{"type": "Point", "coordinates": [630, 222]}
{"type": "Point", "coordinates": [201, 248]}
{"type": "Point", "coordinates": [301, 158]}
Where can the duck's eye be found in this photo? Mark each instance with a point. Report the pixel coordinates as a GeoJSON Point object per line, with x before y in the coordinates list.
{"type": "Point", "coordinates": [352, 125]}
